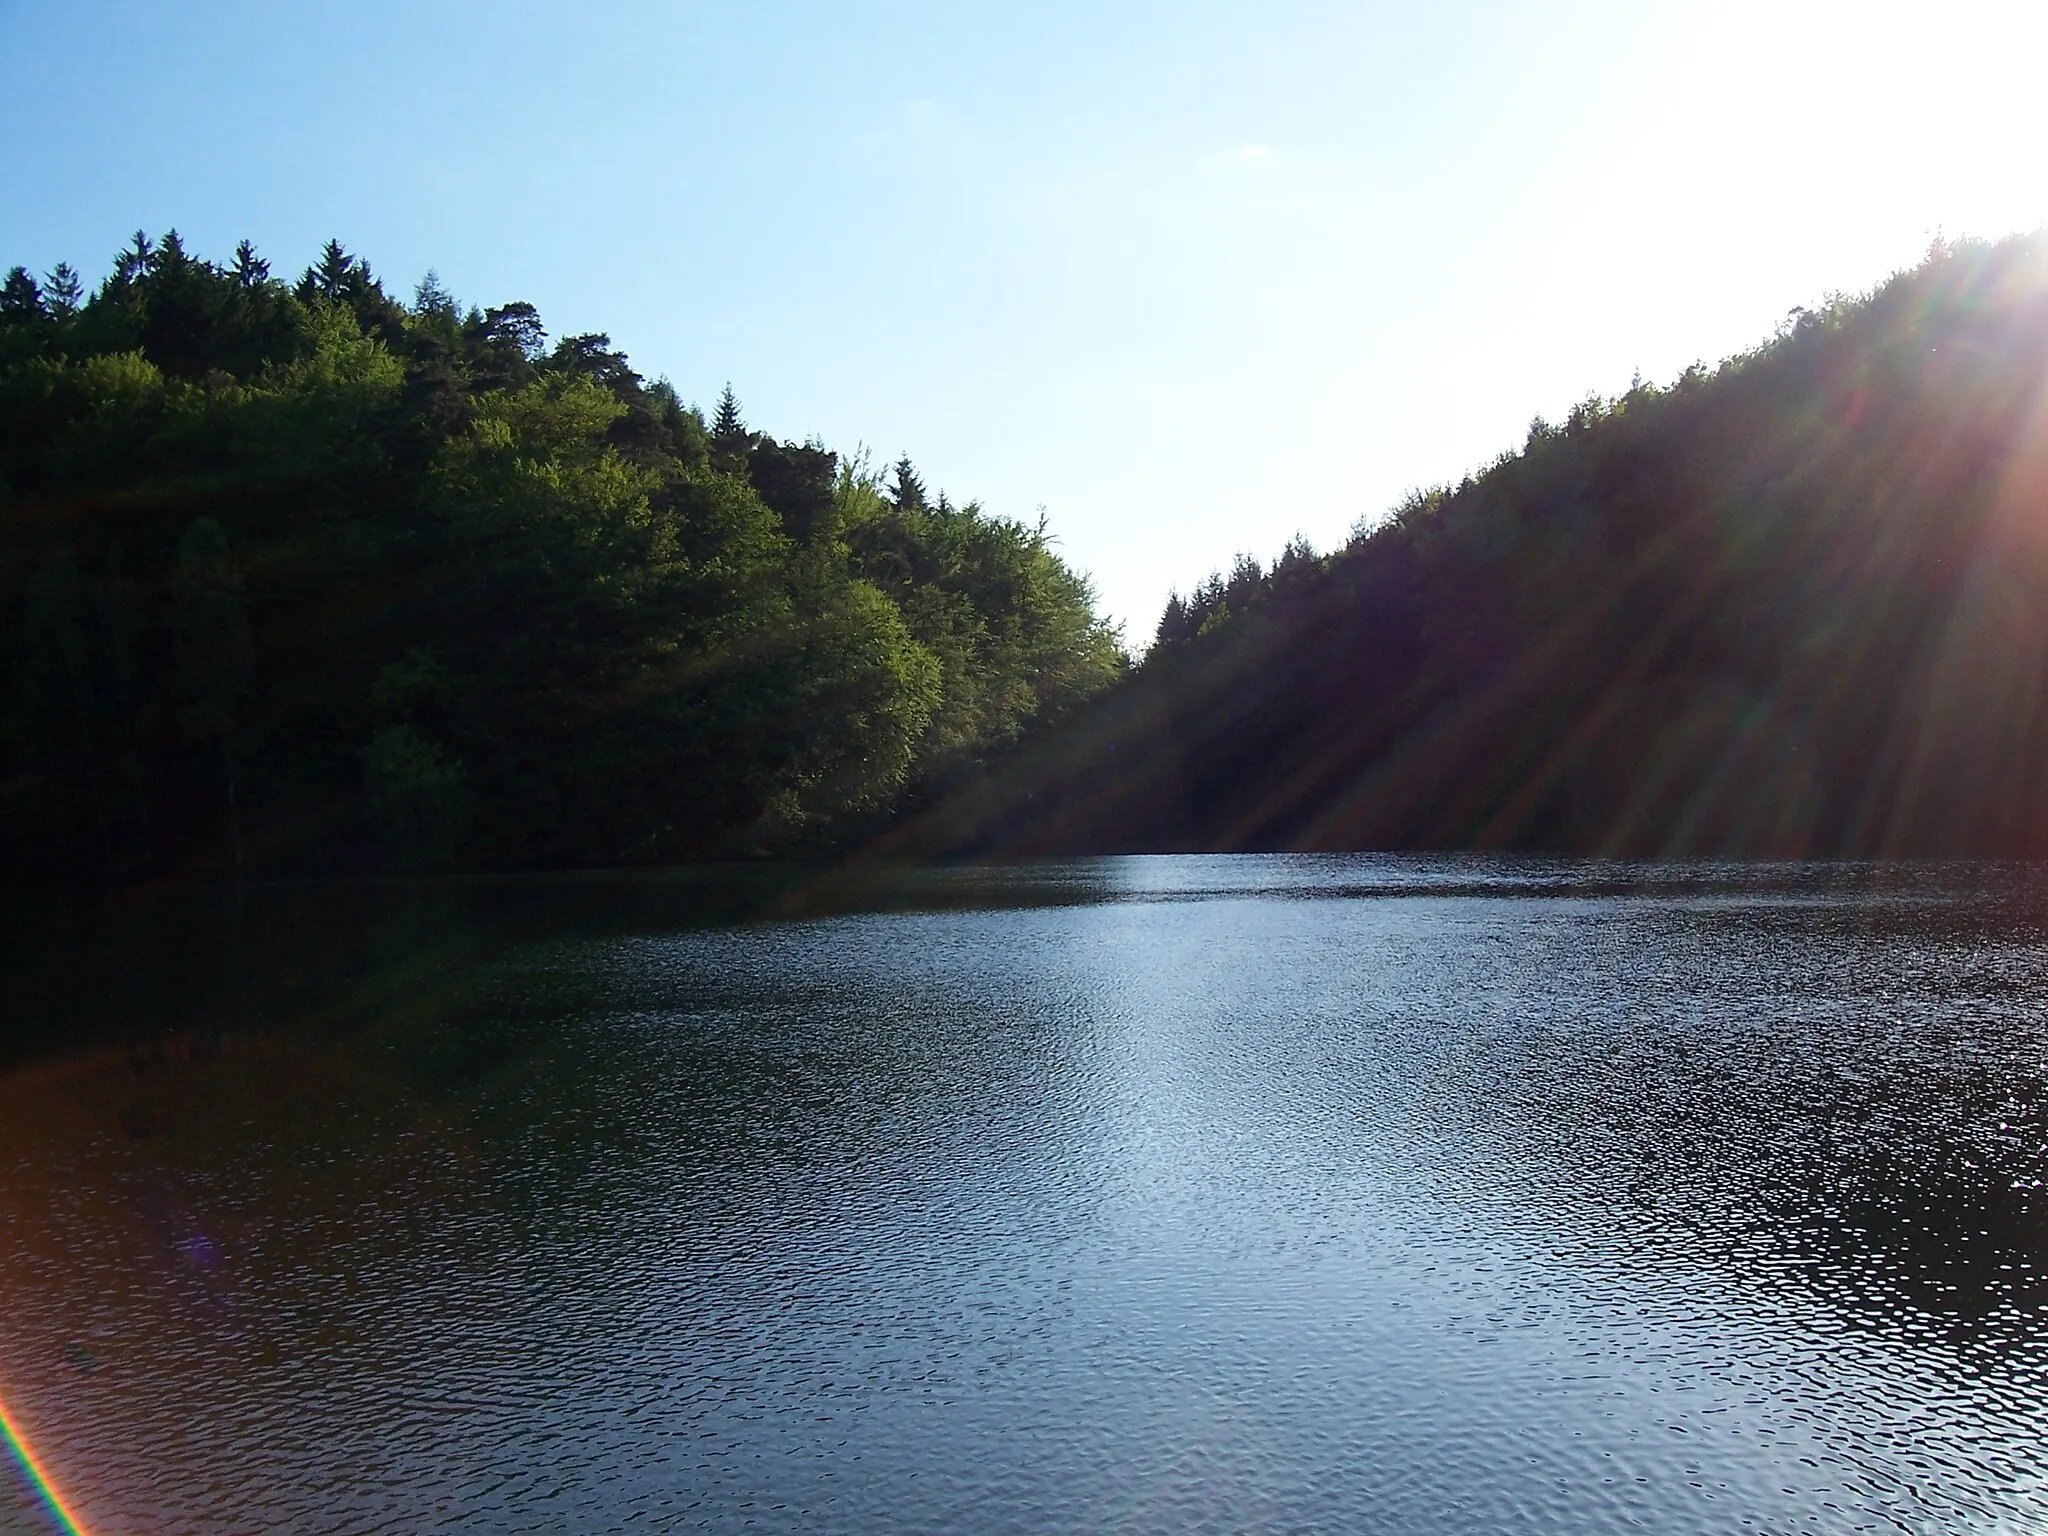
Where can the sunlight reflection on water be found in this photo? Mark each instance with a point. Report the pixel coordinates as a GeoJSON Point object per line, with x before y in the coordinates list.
{"type": "Point", "coordinates": [1367, 1194]}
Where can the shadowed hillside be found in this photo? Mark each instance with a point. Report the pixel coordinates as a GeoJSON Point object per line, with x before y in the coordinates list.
{"type": "Point", "coordinates": [1795, 605]}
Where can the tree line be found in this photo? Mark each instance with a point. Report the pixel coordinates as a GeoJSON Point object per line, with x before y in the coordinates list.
{"type": "Point", "coordinates": [303, 577]}
{"type": "Point", "coordinates": [1794, 605]}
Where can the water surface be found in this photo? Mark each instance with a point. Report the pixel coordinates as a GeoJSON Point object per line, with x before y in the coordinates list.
{"type": "Point", "coordinates": [1251, 1193]}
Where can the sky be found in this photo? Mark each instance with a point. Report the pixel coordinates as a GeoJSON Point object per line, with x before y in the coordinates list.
{"type": "Point", "coordinates": [1185, 279]}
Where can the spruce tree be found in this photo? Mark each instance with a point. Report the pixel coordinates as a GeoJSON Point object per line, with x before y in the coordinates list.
{"type": "Point", "coordinates": [170, 255]}
{"type": "Point", "coordinates": [251, 270]}
{"type": "Point", "coordinates": [729, 434]}
{"type": "Point", "coordinates": [430, 298]}
{"type": "Point", "coordinates": [131, 263]}
{"type": "Point", "coordinates": [727, 430]}
{"type": "Point", "coordinates": [64, 290]}
{"type": "Point", "coordinates": [908, 491]}
{"type": "Point", "coordinates": [330, 278]}
{"type": "Point", "coordinates": [21, 301]}
{"type": "Point", "coordinates": [1173, 623]}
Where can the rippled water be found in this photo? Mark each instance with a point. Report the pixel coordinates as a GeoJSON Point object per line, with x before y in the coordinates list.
{"type": "Point", "coordinates": [1334, 1194]}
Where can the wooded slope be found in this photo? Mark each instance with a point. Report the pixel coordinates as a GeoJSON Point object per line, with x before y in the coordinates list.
{"type": "Point", "coordinates": [303, 578]}
{"type": "Point", "coordinates": [1796, 605]}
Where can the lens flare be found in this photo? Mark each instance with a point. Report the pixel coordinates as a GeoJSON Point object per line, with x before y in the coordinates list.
{"type": "Point", "coordinates": [38, 1474]}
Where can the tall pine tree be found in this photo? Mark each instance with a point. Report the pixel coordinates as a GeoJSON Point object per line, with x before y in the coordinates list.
{"type": "Point", "coordinates": [21, 300]}
{"type": "Point", "coordinates": [134, 261]}
{"type": "Point", "coordinates": [908, 491]}
{"type": "Point", "coordinates": [728, 433]}
{"type": "Point", "coordinates": [64, 289]}
{"type": "Point", "coordinates": [251, 270]}
{"type": "Point", "coordinates": [329, 278]}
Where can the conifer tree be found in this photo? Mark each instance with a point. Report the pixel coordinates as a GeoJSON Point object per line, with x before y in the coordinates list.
{"type": "Point", "coordinates": [329, 279]}
{"type": "Point", "coordinates": [430, 298]}
{"type": "Point", "coordinates": [1173, 623]}
{"type": "Point", "coordinates": [63, 290]}
{"type": "Point", "coordinates": [517, 326]}
{"type": "Point", "coordinates": [21, 300]}
{"type": "Point", "coordinates": [250, 270]}
{"type": "Point", "coordinates": [726, 428]}
{"type": "Point", "coordinates": [169, 256]}
{"type": "Point", "coordinates": [908, 491]}
{"type": "Point", "coordinates": [729, 434]}
{"type": "Point", "coordinates": [134, 261]}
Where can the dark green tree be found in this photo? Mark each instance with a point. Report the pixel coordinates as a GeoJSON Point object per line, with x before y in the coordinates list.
{"type": "Point", "coordinates": [330, 277]}
{"type": "Point", "coordinates": [430, 298]}
{"type": "Point", "coordinates": [134, 261]}
{"type": "Point", "coordinates": [501, 345]}
{"type": "Point", "coordinates": [21, 299]}
{"type": "Point", "coordinates": [908, 490]}
{"type": "Point", "coordinates": [726, 428]}
{"type": "Point", "coordinates": [63, 290]}
{"type": "Point", "coordinates": [210, 633]}
{"type": "Point", "coordinates": [251, 270]}
{"type": "Point", "coordinates": [729, 435]}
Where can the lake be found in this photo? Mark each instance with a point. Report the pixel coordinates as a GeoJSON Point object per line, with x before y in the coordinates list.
{"type": "Point", "coordinates": [1263, 1193]}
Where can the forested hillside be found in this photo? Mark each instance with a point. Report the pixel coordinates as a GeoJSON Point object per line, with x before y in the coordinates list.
{"type": "Point", "coordinates": [1794, 605]}
{"type": "Point", "coordinates": [300, 577]}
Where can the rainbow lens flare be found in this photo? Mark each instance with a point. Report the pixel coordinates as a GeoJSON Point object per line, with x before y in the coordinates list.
{"type": "Point", "coordinates": [38, 1474]}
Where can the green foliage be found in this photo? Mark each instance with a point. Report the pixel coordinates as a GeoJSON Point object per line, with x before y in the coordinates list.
{"type": "Point", "coordinates": [865, 692]}
{"type": "Point", "coordinates": [344, 582]}
{"type": "Point", "coordinates": [417, 799]}
{"type": "Point", "coordinates": [1012, 626]}
{"type": "Point", "coordinates": [210, 631]}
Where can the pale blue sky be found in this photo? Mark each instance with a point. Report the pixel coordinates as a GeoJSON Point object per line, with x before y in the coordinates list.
{"type": "Point", "coordinates": [1190, 277]}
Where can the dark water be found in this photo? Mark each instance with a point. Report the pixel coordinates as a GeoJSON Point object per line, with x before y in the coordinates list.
{"type": "Point", "coordinates": [1277, 1194]}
